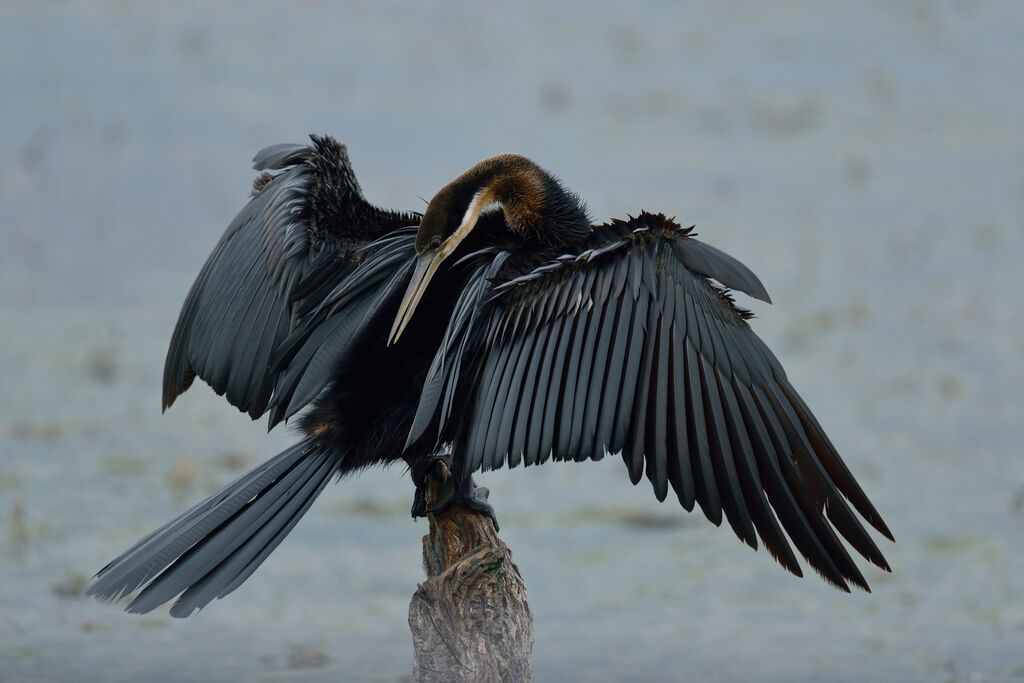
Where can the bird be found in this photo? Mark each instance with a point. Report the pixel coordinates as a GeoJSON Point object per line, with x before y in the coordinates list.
{"type": "Point", "coordinates": [570, 341]}
{"type": "Point", "coordinates": [289, 314]}
{"type": "Point", "coordinates": [500, 327]}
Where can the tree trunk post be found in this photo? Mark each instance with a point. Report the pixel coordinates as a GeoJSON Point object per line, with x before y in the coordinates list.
{"type": "Point", "coordinates": [469, 619]}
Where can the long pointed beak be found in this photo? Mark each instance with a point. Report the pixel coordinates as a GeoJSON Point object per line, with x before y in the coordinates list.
{"type": "Point", "coordinates": [425, 270]}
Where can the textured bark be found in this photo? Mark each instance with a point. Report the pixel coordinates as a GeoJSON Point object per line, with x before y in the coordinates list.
{"type": "Point", "coordinates": [469, 619]}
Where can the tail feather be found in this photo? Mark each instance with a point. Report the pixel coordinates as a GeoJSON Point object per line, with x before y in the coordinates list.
{"type": "Point", "coordinates": [212, 548]}
{"type": "Point", "coordinates": [233, 568]}
{"type": "Point", "coordinates": [228, 577]}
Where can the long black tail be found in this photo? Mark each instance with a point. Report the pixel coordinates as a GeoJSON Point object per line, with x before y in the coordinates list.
{"type": "Point", "coordinates": [208, 551]}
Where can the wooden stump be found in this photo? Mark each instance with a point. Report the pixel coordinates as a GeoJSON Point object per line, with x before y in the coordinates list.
{"type": "Point", "coordinates": [469, 619]}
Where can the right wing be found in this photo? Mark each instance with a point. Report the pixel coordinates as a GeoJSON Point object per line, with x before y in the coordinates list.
{"type": "Point", "coordinates": [266, 301]}
{"type": "Point", "coordinates": [623, 345]}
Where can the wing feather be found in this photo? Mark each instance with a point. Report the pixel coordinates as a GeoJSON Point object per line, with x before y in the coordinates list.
{"type": "Point", "coordinates": [656, 448]}
{"type": "Point", "coordinates": [722, 457]}
{"type": "Point", "coordinates": [559, 372]}
{"type": "Point", "coordinates": [750, 478]}
{"type": "Point", "coordinates": [538, 445]}
{"type": "Point", "coordinates": [700, 448]}
{"type": "Point", "coordinates": [566, 428]}
{"type": "Point", "coordinates": [586, 411]}
{"type": "Point", "coordinates": [530, 417]}
{"type": "Point", "coordinates": [242, 308]}
{"type": "Point", "coordinates": [479, 424]}
{"type": "Point", "coordinates": [618, 348]}
{"type": "Point", "coordinates": [680, 473]}
{"type": "Point", "coordinates": [511, 422]}
{"type": "Point", "coordinates": [627, 346]}
{"type": "Point", "coordinates": [587, 381]}
{"type": "Point", "coordinates": [633, 454]}
{"type": "Point", "coordinates": [631, 374]}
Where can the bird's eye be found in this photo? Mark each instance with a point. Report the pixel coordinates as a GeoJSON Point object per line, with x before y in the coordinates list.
{"type": "Point", "coordinates": [435, 242]}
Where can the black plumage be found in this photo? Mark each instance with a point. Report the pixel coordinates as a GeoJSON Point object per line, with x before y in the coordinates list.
{"type": "Point", "coordinates": [624, 338]}
{"type": "Point", "coordinates": [536, 337]}
{"type": "Point", "coordinates": [290, 312]}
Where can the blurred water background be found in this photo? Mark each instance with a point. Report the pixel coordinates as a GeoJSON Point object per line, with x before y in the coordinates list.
{"type": "Point", "coordinates": [865, 159]}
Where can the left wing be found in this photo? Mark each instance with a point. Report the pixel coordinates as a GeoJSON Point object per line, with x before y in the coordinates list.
{"type": "Point", "coordinates": [627, 347]}
{"type": "Point", "coordinates": [267, 300]}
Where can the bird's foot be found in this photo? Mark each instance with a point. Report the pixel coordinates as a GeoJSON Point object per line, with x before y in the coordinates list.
{"type": "Point", "coordinates": [450, 492]}
{"type": "Point", "coordinates": [467, 495]}
{"type": "Point", "coordinates": [432, 467]}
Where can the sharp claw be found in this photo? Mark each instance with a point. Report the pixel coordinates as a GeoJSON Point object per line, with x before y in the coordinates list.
{"type": "Point", "coordinates": [419, 503]}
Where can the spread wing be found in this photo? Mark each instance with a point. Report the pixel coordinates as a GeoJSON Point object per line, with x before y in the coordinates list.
{"type": "Point", "coordinates": [254, 320]}
{"type": "Point", "coordinates": [628, 347]}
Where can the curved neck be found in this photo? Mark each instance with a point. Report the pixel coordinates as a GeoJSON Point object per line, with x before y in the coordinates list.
{"type": "Point", "coordinates": [534, 203]}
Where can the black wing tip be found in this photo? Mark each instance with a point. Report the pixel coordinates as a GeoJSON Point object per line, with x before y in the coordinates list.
{"type": "Point", "coordinates": [859, 581]}
{"type": "Point", "coordinates": [880, 526]}
{"type": "Point", "coordinates": [838, 579]}
{"type": "Point", "coordinates": [754, 287]}
{"type": "Point", "coordinates": [712, 262]}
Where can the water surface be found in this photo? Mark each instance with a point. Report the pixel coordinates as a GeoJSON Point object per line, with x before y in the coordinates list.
{"type": "Point", "coordinates": [866, 161]}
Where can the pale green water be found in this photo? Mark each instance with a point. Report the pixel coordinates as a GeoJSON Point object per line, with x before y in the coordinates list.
{"type": "Point", "coordinates": [867, 163]}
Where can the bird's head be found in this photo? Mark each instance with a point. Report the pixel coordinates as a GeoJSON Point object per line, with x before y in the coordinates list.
{"type": "Point", "coordinates": [533, 202]}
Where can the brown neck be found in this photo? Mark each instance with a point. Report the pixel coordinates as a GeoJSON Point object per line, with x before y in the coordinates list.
{"type": "Point", "coordinates": [534, 203]}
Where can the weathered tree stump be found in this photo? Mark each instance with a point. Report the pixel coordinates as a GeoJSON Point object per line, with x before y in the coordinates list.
{"type": "Point", "coordinates": [469, 619]}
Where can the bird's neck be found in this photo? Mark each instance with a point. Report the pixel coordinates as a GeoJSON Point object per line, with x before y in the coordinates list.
{"type": "Point", "coordinates": [537, 207]}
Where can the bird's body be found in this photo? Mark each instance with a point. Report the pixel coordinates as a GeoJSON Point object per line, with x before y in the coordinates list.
{"type": "Point", "coordinates": [525, 335]}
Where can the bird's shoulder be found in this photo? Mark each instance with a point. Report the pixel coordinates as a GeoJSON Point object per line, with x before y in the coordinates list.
{"type": "Point", "coordinates": [303, 231]}
{"type": "Point", "coordinates": [328, 195]}
{"type": "Point", "coordinates": [658, 246]}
